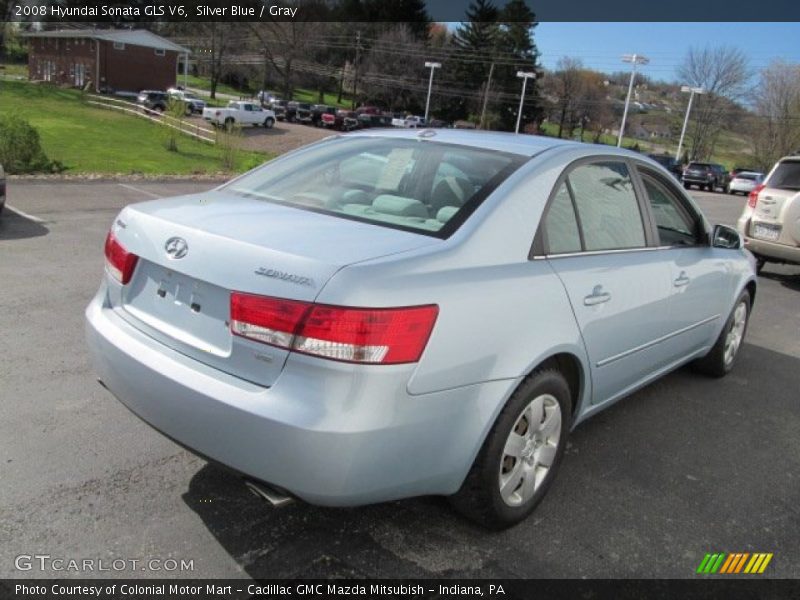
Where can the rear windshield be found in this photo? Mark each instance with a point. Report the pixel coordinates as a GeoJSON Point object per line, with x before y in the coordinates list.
{"type": "Point", "coordinates": [699, 166]}
{"type": "Point", "coordinates": [786, 176]}
{"type": "Point", "coordinates": [415, 185]}
{"type": "Point", "coordinates": [750, 176]}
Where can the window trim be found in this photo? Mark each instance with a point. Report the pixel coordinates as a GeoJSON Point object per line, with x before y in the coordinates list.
{"type": "Point", "coordinates": [686, 206]}
{"type": "Point", "coordinates": [160, 52]}
{"type": "Point", "coordinates": [119, 45]}
{"type": "Point", "coordinates": [539, 248]}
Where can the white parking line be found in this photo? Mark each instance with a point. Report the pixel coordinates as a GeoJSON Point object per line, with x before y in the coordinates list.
{"type": "Point", "coordinates": [24, 214]}
{"type": "Point", "coordinates": [141, 191]}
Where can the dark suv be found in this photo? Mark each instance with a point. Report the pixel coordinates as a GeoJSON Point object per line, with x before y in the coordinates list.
{"type": "Point", "coordinates": [669, 163]}
{"type": "Point", "coordinates": [153, 100]}
{"type": "Point", "coordinates": [705, 175]}
{"type": "Point", "coordinates": [321, 109]}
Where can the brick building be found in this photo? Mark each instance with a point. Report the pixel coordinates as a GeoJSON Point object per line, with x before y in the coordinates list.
{"type": "Point", "coordinates": [106, 60]}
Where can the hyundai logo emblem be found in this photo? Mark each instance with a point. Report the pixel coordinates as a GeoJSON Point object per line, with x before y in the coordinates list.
{"type": "Point", "coordinates": [176, 247]}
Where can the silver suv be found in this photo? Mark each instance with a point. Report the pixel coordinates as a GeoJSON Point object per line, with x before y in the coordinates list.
{"type": "Point", "coordinates": [770, 223]}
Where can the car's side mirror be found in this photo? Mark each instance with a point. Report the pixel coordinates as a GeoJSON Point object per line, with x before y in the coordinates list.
{"type": "Point", "coordinates": [726, 237]}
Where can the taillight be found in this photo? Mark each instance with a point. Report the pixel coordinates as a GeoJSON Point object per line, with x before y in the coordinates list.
{"type": "Point", "coordinates": [119, 262]}
{"type": "Point", "coordinates": [752, 199]}
{"type": "Point", "coordinates": [361, 335]}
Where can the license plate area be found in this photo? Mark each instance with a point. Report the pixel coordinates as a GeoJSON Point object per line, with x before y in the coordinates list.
{"type": "Point", "coordinates": [188, 310]}
{"type": "Point", "coordinates": [764, 231]}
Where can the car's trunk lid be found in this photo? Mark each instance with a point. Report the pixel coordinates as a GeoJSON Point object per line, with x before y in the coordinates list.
{"type": "Point", "coordinates": [234, 244]}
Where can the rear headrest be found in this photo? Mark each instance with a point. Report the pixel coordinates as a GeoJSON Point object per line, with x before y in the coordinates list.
{"type": "Point", "coordinates": [450, 191]}
{"type": "Point", "coordinates": [399, 206]}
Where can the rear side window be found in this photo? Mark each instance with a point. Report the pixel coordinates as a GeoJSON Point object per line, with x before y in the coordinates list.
{"type": "Point", "coordinates": [607, 207]}
{"type": "Point", "coordinates": [676, 226]}
{"type": "Point", "coordinates": [561, 224]}
{"type": "Point", "coordinates": [420, 186]}
{"type": "Point", "coordinates": [786, 176]}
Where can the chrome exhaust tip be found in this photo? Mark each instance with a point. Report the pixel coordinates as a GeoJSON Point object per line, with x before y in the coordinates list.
{"type": "Point", "coordinates": [275, 497]}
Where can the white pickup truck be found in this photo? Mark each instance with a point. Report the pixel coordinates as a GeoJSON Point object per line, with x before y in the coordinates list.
{"type": "Point", "coordinates": [411, 121]}
{"type": "Point", "coordinates": [240, 113]}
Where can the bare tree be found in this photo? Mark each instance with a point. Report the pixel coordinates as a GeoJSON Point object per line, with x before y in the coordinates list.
{"type": "Point", "coordinates": [722, 72]}
{"type": "Point", "coordinates": [776, 131]}
{"type": "Point", "coordinates": [565, 85]}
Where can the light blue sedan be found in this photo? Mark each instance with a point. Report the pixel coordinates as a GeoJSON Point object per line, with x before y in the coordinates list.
{"type": "Point", "coordinates": [398, 313]}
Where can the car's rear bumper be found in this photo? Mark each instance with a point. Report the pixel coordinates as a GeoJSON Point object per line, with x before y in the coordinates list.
{"type": "Point", "coordinates": [329, 433]}
{"type": "Point", "coordinates": [777, 251]}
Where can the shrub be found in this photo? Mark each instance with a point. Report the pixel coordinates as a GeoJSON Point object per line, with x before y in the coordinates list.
{"type": "Point", "coordinates": [20, 148]}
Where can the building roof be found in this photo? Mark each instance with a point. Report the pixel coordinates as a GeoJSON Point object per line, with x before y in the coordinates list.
{"type": "Point", "coordinates": [133, 37]}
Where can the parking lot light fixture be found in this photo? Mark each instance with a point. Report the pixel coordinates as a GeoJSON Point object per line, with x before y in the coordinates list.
{"type": "Point", "coordinates": [432, 66]}
{"type": "Point", "coordinates": [524, 75]}
{"type": "Point", "coordinates": [691, 91]}
{"type": "Point", "coordinates": [634, 59]}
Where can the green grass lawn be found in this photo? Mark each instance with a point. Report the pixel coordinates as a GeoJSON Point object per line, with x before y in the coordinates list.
{"type": "Point", "coordinates": [300, 94]}
{"type": "Point", "coordinates": [14, 71]}
{"type": "Point", "coordinates": [95, 140]}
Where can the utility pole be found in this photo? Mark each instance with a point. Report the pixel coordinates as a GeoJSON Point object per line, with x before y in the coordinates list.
{"type": "Point", "coordinates": [355, 74]}
{"type": "Point", "coordinates": [432, 66]}
{"type": "Point", "coordinates": [634, 59]}
{"type": "Point", "coordinates": [525, 75]}
{"type": "Point", "coordinates": [691, 91]}
{"type": "Point", "coordinates": [486, 95]}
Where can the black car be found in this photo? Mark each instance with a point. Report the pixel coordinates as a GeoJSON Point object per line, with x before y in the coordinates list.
{"type": "Point", "coordinates": [321, 109]}
{"type": "Point", "coordinates": [705, 175]}
{"type": "Point", "coordinates": [279, 108]}
{"type": "Point", "coordinates": [669, 163]}
{"type": "Point", "coordinates": [303, 113]}
{"type": "Point", "coordinates": [153, 100]}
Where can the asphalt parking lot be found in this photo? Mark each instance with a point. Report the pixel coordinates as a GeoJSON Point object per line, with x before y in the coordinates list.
{"type": "Point", "coordinates": [688, 465]}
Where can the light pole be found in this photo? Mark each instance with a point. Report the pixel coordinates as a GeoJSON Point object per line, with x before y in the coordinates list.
{"type": "Point", "coordinates": [432, 66]}
{"type": "Point", "coordinates": [691, 91]}
{"type": "Point", "coordinates": [524, 75]}
{"type": "Point", "coordinates": [634, 59]}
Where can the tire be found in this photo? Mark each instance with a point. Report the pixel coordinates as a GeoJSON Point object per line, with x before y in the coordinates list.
{"type": "Point", "coordinates": [721, 358]}
{"type": "Point", "coordinates": [229, 123]}
{"type": "Point", "coordinates": [760, 263]}
{"type": "Point", "coordinates": [688, 186]}
{"type": "Point", "coordinates": [269, 123]}
{"type": "Point", "coordinates": [480, 498]}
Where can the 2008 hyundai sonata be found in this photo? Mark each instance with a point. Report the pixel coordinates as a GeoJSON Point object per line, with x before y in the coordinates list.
{"type": "Point", "coordinates": [392, 314]}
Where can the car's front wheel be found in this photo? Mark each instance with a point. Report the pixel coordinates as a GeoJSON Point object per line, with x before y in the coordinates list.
{"type": "Point", "coordinates": [521, 454]}
{"type": "Point", "coordinates": [269, 122]}
{"type": "Point", "coordinates": [722, 356]}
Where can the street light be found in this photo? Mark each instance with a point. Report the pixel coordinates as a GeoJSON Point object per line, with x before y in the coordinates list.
{"type": "Point", "coordinates": [634, 59]}
{"type": "Point", "coordinates": [691, 91]}
{"type": "Point", "coordinates": [432, 66]}
{"type": "Point", "coordinates": [524, 75]}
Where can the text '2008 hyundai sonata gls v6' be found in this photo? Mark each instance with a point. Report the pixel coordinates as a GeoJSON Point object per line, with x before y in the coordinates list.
{"type": "Point", "coordinates": [391, 314]}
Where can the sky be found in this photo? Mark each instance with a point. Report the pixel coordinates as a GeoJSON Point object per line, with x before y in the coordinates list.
{"type": "Point", "coordinates": [601, 45]}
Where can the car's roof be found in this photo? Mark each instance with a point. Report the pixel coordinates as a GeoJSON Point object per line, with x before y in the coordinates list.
{"type": "Point", "coordinates": [523, 144]}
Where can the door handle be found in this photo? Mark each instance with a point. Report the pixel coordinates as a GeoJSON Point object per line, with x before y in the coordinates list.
{"type": "Point", "coordinates": [598, 296]}
{"type": "Point", "coordinates": [682, 280]}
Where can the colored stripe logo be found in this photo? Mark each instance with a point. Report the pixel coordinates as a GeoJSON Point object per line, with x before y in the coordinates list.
{"type": "Point", "coordinates": [734, 563]}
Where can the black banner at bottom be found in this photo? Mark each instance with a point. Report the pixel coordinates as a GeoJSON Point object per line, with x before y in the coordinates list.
{"type": "Point", "coordinates": [749, 588]}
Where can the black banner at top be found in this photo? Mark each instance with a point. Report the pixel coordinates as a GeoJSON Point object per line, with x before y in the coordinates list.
{"type": "Point", "coordinates": [113, 11]}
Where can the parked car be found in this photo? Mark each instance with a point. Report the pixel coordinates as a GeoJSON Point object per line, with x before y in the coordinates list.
{"type": "Point", "coordinates": [744, 182]}
{"type": "Point", "coordinates": [723, 176]}
{"type": "Point", "coordinates": [669, 163]}
{"type": "Point", "coordinates": [409, 121]}
{"type": "Point", "coordinates": [153, 100]}
{"type": "Point", "coordinates": [770, 222]}
{"type": "Point", "coordinates": [303, 113]}
{"type": "Point", "coordinates": [395, 314]}
{"type": "Point", "coordinates": [279, 108]}
{"type": "Point", "coordinates": [194, 104]}
{"type": "Point", "coordinates": [266, 98]}
{"type": "Point", "coordinates": [320, 110]}
{"type": "Point", "coordinates": [2, 189]}
{"type": "Point", "coordinates": [343, 120]}
{"type": "Point", "coordinates": [704, 175]}
{"type": "Point", "coordinates": [240, 113]}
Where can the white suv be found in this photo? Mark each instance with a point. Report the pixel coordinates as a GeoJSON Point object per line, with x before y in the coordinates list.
{"type": "Point", "coordinates": [770, 223]}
